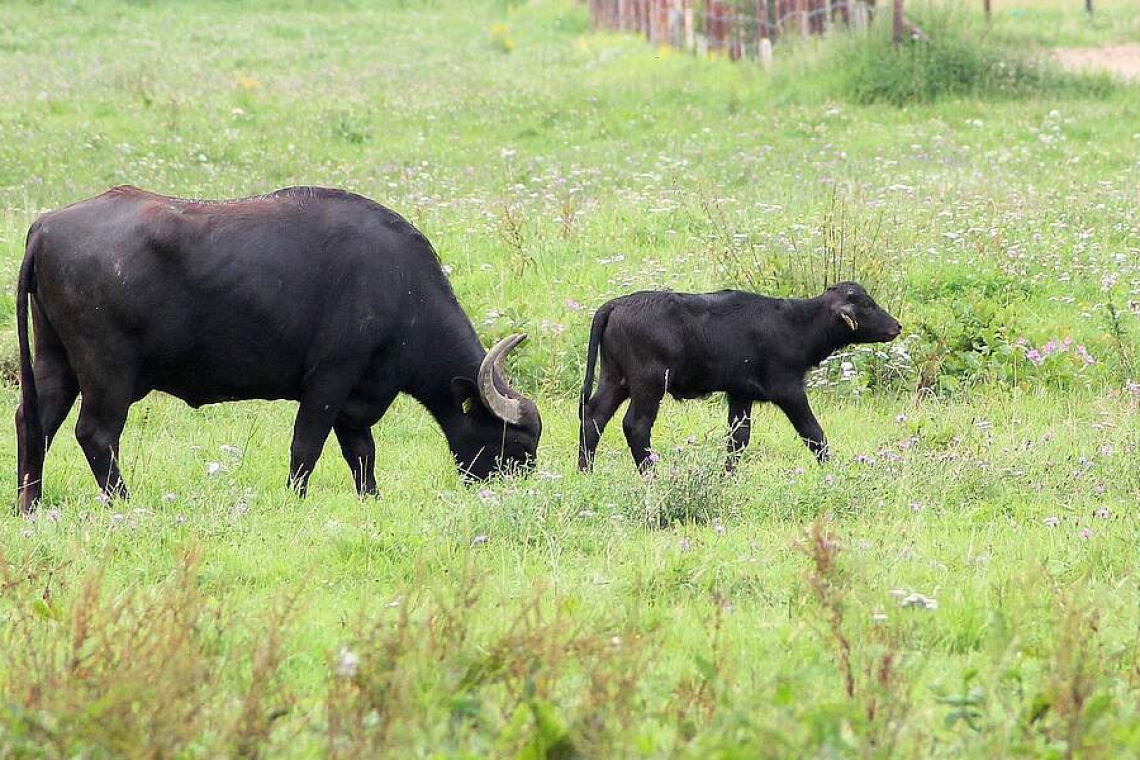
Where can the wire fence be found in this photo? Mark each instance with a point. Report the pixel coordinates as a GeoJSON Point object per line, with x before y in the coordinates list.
{"type": "Point", "coordinates": [736, 28]}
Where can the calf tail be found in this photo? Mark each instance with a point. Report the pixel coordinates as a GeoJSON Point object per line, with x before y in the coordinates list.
{"type": "Point", "coordinates": [30, 428]}
{"type": "Point", "coordinates": [601, 317]}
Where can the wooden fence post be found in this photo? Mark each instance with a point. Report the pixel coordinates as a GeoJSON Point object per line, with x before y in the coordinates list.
{"type": "Point", "coordinates": [712, 24]}
{"type": "Point", "coordinates": [764, 52]}
{"type": "Point", "coordinates": [690, 32]}
{"type": "Point", "coordinates": [702, 37]}
{"type": "Point", "coordinates": [897, 34]}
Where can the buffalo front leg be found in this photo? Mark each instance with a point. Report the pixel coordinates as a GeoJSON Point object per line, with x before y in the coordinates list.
{"type": "Point", "coordinates": [321, 405]}
{"type": "Point", "coordinates": [803, 420]}
{"type": "Point", "coordinates": [359, 450]}
{"type": "Point", "coordinates": [353, 429]}
{"type": "Point", "coordinates": [739, 429]}
{"type": "Point", "coordinates": [310, 431]}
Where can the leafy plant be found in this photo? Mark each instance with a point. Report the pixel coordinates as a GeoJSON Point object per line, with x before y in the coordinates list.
{"type": "Point", "coordinates": [686, 485]}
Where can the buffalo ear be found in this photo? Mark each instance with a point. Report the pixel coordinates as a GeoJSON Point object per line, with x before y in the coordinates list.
{"type": "Point", "coordinates": [465, 393]}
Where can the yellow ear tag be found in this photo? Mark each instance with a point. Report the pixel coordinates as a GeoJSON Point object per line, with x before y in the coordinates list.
{"type": "Point", "coordinates": [468, 403]}
{"type": "Point", "coordinates": [850, 322]}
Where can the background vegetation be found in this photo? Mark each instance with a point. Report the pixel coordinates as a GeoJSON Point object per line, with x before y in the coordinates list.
{"type": "Point", "coordinates": [961, 580]}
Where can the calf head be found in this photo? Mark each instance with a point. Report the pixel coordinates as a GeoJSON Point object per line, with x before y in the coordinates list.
{"type": "Point", "coordinates": [498, 428]}
{"type": "Point", "coordinates": [868, 322]}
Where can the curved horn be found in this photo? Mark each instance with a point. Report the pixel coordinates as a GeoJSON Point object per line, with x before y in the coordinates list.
{"type": "Point", "coordinates": [507, 409]}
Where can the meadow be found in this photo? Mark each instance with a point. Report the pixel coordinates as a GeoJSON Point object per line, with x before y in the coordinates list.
{"type": "Point", "coordinates": [961, 580]}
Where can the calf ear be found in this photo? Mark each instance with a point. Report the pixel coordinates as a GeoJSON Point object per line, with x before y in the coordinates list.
{"type": "Point", "coordinates": [847, 314]}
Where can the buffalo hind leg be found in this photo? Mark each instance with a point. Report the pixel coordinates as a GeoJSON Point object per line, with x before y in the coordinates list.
{"type": "Point", "coordinates": [799, 412]}
{"type": "Point", "coordinates": [596, 414]}
{"type": "Point", "coordinates": [638, 428]}
{"type": "Point", "coordinates": [102, 415]}
{"type": "Point", "coordinates": [739, 429]}
{"type": "Point", "coordinates": [56, 389]}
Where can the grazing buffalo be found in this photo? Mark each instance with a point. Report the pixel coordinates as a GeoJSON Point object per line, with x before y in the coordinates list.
{"type": "Point", "coordinates": [752, 347]}
{"type": "Point", "coordinates": [309, 294]}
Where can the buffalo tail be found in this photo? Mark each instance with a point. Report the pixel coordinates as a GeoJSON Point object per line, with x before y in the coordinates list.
{"type": "Point", "coordinates": [601, 317]}
{"type": "Point", "coordinates": [32, 431]}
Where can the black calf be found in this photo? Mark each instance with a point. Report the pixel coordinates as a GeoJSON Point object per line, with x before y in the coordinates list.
{"type": "Point", "coordinates": [752, 347]}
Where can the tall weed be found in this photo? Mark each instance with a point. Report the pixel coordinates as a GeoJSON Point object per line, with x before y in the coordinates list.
{"type": "Point", "coordinates": [131, 675]}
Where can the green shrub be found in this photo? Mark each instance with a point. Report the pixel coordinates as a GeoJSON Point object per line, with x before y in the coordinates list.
{"type": "Point", "coordinates": [957, 58]}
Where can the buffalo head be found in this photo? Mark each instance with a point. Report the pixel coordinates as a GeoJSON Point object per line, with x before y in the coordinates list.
{"type": "Point", "coordinates": [498, 428]}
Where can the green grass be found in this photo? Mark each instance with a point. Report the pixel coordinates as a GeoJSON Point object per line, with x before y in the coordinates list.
{"type": "Point", "coordinates": [538, 618]}
{"type": "Point", "coordinates": [1056, 23]}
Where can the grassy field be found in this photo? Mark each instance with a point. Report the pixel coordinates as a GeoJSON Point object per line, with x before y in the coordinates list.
{"type": "Point", "coordinates": [1060, 22]}
{"type": "Point", "coordinates": [960, 581]}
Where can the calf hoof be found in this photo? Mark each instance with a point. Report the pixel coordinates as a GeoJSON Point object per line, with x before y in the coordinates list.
{"type": "Point", "coordinates": [115, 493]}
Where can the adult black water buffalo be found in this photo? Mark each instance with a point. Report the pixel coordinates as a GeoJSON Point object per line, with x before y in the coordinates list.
{"type": "Point", "coordinates": [752, 347]}
{"type": "Point", "coordinates": [309, 294]}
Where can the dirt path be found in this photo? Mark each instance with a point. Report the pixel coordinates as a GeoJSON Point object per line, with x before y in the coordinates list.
{"type": "Point", "coordinates": [1120, 60]}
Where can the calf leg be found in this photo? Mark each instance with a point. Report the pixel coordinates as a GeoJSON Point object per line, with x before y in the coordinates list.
{"type": "Point", "coordinates": [799, 412]}
{"type": "Point", "coordinates": [638, 427]}
{"type": "Point", "coordinates": [596, 414]}
{"type": "Point", "coordinates": [102, 415]}
{"type": "Point", "coordinates": [739, 429]}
